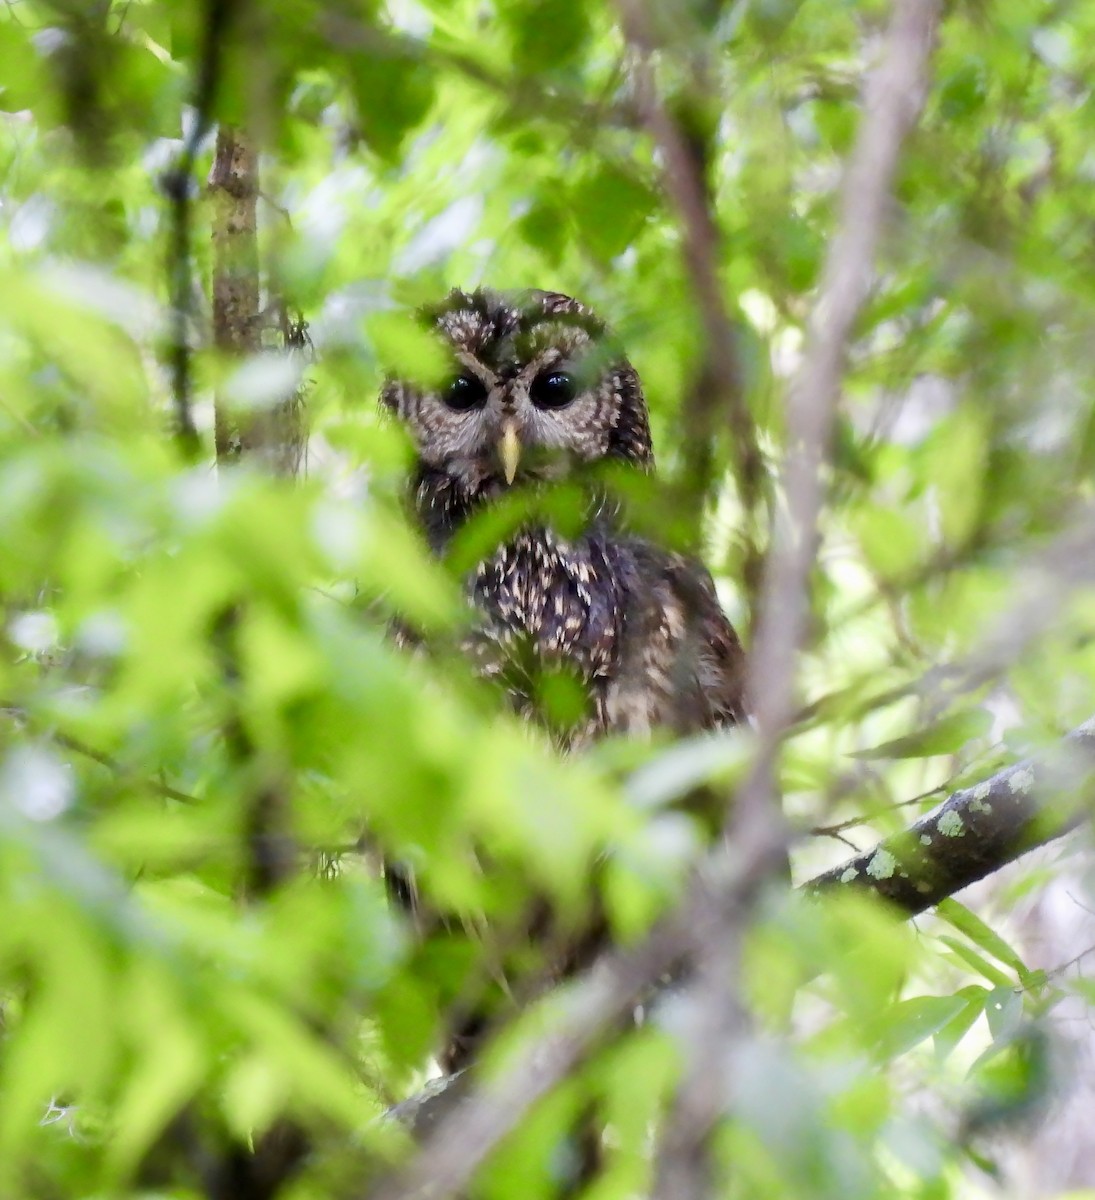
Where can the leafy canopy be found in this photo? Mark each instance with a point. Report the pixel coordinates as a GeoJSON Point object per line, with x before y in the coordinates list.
{"type": "Point", "coordinates": [185, 656]}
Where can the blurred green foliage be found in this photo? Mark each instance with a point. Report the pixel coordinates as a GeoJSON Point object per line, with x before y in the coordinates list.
{"type": "Point", "coordinates": [410, 147]}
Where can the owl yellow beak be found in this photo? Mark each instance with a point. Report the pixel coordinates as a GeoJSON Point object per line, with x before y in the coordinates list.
{"type": "Point", "coordinates": [509, 450]}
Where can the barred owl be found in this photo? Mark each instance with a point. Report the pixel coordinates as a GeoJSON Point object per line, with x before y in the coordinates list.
{"type": "Point", "coordinates": [535, 392]}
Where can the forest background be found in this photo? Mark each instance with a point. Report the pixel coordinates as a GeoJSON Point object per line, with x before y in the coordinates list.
{"type": "Point", "coordinates": [848, 247]}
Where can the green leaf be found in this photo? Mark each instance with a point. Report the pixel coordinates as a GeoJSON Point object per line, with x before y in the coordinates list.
{"type": "Point", "coordinates": [970, 956]}
{"type": "Point", "coordinates": [981, 934]}
{"type": "Point", "coordinates": [910, 1022]}
{"type": "Point", "coordinates": [546, 33]}
{"type": "Point", "coordinates": [25, 83]}
{"type": "Point", "coordinates": [1004, 1012]}
{"type": "Point", "coordinates": [950, 1034]}
{"type": "Point", "coordinates": [392, 95]}
{"type": "Point", "coordinates": [956, 457]}
{"type": "Point", "coordinates": [893, 541]}
{"type": "Point", "coordinates": [171, 1063]}
{"type": "Point", "coordinates": [609, 208]}
{"type": "Point", "coordinates": [946, 736]}
{"type": "Point", "coordinates": [545, 226]}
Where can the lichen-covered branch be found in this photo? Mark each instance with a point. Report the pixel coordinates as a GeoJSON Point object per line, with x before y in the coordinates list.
{"type": "Point", "coordinates": [976, 831]}
{"type": "Point", "coordinates": [973, 833]}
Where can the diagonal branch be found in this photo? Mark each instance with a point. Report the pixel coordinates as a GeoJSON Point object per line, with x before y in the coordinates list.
{"type": "Point", "coordinates": [473, 1125]}
{"type": "Point", "coordinates": [975, 832]}
{"type": "Point", "coordinates": [894, 97]}
{"type": "Point", "coordinates": [895, 92]}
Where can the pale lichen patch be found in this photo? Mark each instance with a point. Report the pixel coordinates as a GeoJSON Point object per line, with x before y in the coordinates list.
{"type": "Point", "coordinates": [950, 825]}
{"type": "Point", "coordinates": [979, 806]}
{"type": "Point", "coordinates": [1021, 780]}
{"type": "Point", "coordinates": [882, 865]}
{"type": "Point", "coordinates": [982, 791]}
{"type": "Point", "coordinates": [925, 839]}
{"type": "Point", "coordinates": [849, 874]}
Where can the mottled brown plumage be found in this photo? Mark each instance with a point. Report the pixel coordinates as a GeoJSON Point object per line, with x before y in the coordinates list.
{"type": "Point", "coordinates": [535, 391]}
{"type": "Point", "coordinates": [639, 625]}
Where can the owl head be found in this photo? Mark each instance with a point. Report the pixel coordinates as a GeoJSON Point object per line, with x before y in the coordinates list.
{"type": "Point", "coordinates": [533, 388]}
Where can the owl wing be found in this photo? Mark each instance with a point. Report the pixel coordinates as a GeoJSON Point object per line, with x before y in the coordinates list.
{"type": "Point", "coordinates": [680, 664]}
{"type": "Point", "coordinates": [709, 651]}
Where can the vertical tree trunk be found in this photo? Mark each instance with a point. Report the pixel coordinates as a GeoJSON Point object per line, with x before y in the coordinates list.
{"type": "Point", "coordinates": [272, 438]}
{"type": "Point", "coordinates": [274, 434]}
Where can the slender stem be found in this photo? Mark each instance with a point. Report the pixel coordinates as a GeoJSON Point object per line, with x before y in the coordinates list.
{"type": "Point", "coordinates": [178, 185]}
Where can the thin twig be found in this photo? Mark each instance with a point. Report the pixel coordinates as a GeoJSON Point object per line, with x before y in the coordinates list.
{"type": "Point", "coordinates": [894, 95]}
{"type": "Point", "coordinates": [177, 184]}
{"type": "Point", "coordinates": [77, 746]}
{"type": "Point", "coordinates": [976, 831]}
{"type": "Point", "coordinates": [1061, 968]}
{"type": "Point", "coordinates": [839, 828]}
{"type": "Point", "coordinates": [719, 385]}
{"type": "Point", "coordinates": [1043, 584]}
{"type": "Point", "coordinates": [112, 764]}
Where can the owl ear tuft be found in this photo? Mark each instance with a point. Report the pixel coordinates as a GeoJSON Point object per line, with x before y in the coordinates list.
{"type": "Point", "coordinates": [390, 392]}
{"type": "Point", "coordinates": [557, 302]}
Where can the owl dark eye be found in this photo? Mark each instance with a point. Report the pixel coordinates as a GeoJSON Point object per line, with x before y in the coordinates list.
{"type": "Point", "coordinates": [463, 392]}
{"type": "Point", "coordinates": [552, 389]}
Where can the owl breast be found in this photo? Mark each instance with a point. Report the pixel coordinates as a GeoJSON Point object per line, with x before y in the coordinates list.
{"type": "Point", "coordinates": [554, 593]}
{"type": "Point", "coordinates": [549, 604]}
{"type": "Point", "coordinates": [600, 608]}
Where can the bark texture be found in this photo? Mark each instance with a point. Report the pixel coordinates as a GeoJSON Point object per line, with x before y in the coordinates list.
{"type": "Point", "coordinates": [273, 433]}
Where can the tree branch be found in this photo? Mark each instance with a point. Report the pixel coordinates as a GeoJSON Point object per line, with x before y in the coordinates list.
{"type": "Point", "coordinates": [973, 833]}
{"type": "Point", "coordinates": [458, 1141]}
{"type": "Point", "coordinates": [894, 94]}
{"type": "Point", "coordinates": [272, 433]}
{"type": "Point", "coordinates": [719, 385]}
{"type": "Point", "coordinates": [234, 187]}
{"type": "Point", "coordinates": [177, 184]}
{"type": "Point", "coordinates": [272, 436]}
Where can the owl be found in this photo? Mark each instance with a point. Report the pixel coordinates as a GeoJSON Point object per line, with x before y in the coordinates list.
{"type": "Point", "coordinates": [536, 392]}
{"type": "Point", "coordinates": [533, 394]}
